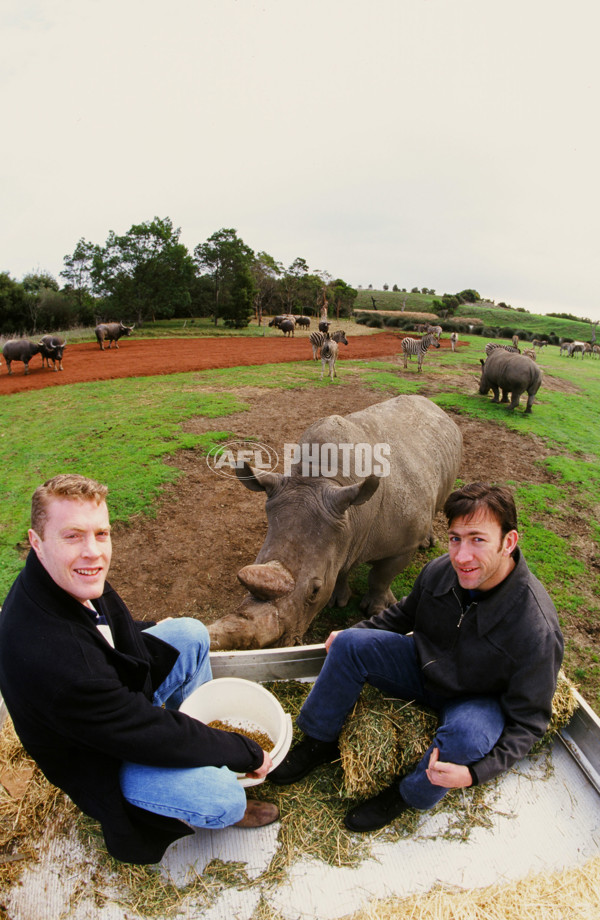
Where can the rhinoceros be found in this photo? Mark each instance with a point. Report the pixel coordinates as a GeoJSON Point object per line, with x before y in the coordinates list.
{"type": "Point", "coordinates": [511, 373]}
{"type": "Point", "coordinates": [333, 510]}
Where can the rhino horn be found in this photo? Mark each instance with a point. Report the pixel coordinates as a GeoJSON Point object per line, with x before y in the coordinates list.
{"type": "Point", "coordinates": [253, 625]}
{"type": "Point", "coordinates": [267, 581]}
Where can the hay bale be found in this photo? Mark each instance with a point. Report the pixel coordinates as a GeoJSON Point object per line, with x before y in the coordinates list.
{"type": "Point", "coordinates": [383, 738]}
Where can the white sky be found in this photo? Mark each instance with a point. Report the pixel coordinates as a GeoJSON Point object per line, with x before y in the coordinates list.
{"type": "Point", "coordinates": [437, 143]}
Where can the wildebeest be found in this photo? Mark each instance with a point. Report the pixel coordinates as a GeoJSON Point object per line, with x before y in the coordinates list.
{"type": "Point", "coordinates": [19, 350]}
{"type": "Point", "coordinates": [511, 373]}
{"type": "Point", "coordinates": [111, 332]}
{"type": "Point", "coordinates": [336, 507]}
{"type": "Point", "coordinates": [51, 349]}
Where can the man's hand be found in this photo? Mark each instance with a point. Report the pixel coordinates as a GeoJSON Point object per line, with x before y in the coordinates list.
{"type": "Point", "coordinates": [264, 768]}
{"type": "Point", "coordinates": [448, 775]}
{"type": "Point", "coordinates": [330, 639]}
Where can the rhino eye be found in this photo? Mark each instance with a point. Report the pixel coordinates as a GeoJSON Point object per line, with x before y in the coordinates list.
{"type": "Point", "coordinates": [316, 586]}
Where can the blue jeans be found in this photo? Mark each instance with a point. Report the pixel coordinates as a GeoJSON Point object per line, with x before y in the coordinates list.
{"type": "Point", "coordinates": [468, 729]}
{"type": "Point", "coordinates": [201, 796]}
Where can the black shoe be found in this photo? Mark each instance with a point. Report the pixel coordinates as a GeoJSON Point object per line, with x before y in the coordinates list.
{"type": "Point", "coordinates": [304, 757]}
{"type": "Point", "coordinates": [378, 811]}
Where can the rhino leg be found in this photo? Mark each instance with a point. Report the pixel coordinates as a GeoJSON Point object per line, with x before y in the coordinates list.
{"type": "Point", "coordinates": [341, 593]}
{"type": "Point", "coordinates": [496, 396]}
{"type": "Point", "coordinates": [505, 395]}
{"type": "Point", "coordinates": [516, 396]}
{"type": "Point", "coordinates": [530, 401]}
{"type": "Point", "coordinates": [379, 596]}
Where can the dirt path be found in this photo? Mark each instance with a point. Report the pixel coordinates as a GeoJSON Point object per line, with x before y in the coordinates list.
{"type": "Point", "coordinates": [149, 357]}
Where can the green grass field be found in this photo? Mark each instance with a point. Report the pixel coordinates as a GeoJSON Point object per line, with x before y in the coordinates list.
{"type": "Point", "coordinates": [122, 432]}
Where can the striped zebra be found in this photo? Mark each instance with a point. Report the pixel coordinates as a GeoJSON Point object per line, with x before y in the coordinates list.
{"type": "Point", "coordinates": [539, 343]}
{"type": "Point", "coordinates": [434, 330]}
{"type": "Point", "coordinates": [453, 340]}
{"type": "Point", "coordinates": [575, 347]}
{"type": "Point", "coordinates": [329, 353]}
{"type": "Point", "coordinates": [530, 352]}
{"type": "Point", "coordinates": [418, 347]}
{"type": "Point", "coordinates": [316, 339]}
{"type": "Point", "coordinates": [491, 345]}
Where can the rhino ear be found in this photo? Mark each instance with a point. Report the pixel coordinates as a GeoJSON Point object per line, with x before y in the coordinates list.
{"type": "Point", "coordinates": [340, 499]}
{"type": "Point", "coordinates": [258, 481]}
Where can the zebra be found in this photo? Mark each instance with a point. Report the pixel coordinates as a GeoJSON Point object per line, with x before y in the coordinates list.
{"type": "Point", "coordinates": [316, 339]}
{"type": "Point", "coordinates": [530, 352]}
{"type": "Point", "coordinates": [596, 351]}
{"type": "Point", "coordinates": [539, 343]}
{"type": "Point", "coordinates": [564, 346]}
{"type": "Point", "coordinates": [329, 353]}
{"type": "Point", "coordinates": [418, 347]}
{"type": "Point", "coordinates": [577, 346]}
{"type": "Point", "coordinates": [453, 340]}
{"type": "Point", "coordinates": [491, 345]}
{"type": "Point", "coordinates": [434, 330]}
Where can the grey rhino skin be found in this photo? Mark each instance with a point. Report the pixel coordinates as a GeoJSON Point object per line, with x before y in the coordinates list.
{"type": "Point", "coordinates": [19, 350]}
{"type": "Point", "coordinates": [111, 332]}
{"type": "Point", "coordinates": [511, 373]}
{"type": "Point", "coordinates": [320, 527]}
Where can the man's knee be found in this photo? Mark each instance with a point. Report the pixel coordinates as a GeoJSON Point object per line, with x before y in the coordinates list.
{"type": "Point", "coordinates": [184, 632]}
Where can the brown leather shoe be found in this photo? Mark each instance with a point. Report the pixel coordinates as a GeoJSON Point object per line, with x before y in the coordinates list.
{"type": "Point", "coordinates": [258, 814]}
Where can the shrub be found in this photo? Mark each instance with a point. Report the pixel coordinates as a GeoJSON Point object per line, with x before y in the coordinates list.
{"type": "Point", "coordinates": [375, 322]}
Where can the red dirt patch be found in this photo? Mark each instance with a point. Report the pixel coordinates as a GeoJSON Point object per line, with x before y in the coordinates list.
{"type": "Point", "coordinates": [151, 357]}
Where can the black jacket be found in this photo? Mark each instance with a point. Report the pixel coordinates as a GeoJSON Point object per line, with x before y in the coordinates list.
{"type": "Point", "coordinates": [507, 643]}
{"type": "Point", "coordinates": [81, 707]}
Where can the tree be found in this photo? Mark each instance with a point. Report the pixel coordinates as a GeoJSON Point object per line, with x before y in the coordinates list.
{"type": "Point", "coordinates": [343, 297]}
{"type": "Point", "coordinates": [78, 272]}
{"type": "Point", "coordinates": [223, 257]}
{"type": "Point", "coordinates": [144, 273]}
{"type": "Point", "coordinates": [237, 307]}
{"type": "Point", "coordinates": [266, 273]}
{"type": "Point", "coordinates": [13, 306]}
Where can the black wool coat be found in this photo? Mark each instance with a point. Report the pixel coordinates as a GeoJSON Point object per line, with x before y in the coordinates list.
{"type": "Point", "coordinates": [81, 708]}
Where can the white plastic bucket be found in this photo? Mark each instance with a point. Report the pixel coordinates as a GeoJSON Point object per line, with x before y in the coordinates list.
{"type": "Point", "coordinates": [242, 703]}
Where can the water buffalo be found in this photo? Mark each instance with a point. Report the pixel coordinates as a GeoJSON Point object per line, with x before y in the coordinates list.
{"type": "Point", "coordinates": [51, 349]}
{"type": "Point", "coordinates": [19, 350]}
{"type": "Point", "coordinates": [303, 321]}
{"type": "Point", "coordinates": [360, 488]}
{"type": "Point", "coordinates": [511, 373]}
{"type": "Point", "coordinates": [324, 325]}
{"type": "Point", "coordinates": [287, 327]}
{"type": "Point", "coordinates": [111, 332]}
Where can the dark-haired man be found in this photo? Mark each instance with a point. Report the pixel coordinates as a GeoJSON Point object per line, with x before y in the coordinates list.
{"type": "Point", "coordinates": [94, 695]}
{"type": "Point", "coordinates": [477, 640]}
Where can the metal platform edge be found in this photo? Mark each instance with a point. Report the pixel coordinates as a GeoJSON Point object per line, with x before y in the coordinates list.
{"type": "Point", "coordinates": [581, 737]}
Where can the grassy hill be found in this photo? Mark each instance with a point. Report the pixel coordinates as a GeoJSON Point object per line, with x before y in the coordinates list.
{"type": "Point", "coordinates": [500, 320]}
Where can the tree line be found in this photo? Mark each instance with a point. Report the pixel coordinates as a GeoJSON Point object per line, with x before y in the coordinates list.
{"type": "Point", "coordinates": [147, 274]}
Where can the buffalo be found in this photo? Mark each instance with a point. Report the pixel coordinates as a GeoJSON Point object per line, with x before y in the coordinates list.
{"type": "Point", "coordinates": [303, 321]}
{"type": "Point", "coordinates": [111, 332]}
{"type": "Point", "coordinates": [19, 350]}
{"type": "Point", "coordinates": [287, 327]}
{"type": "Point", "coordinates": [51, 349]}
{"type": "Point", "coordinates": [324, 325]}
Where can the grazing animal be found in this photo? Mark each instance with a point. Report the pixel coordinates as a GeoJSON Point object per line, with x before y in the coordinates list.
{"type": "Point", "coordinates": [418, 347]}
{"type": "Point", "coordinates": [489, 348]}
{"type": "Point", "coordinates": [564, 347]}
{"type": "Point", "coordinates": [51, 349]}
{"type": "Point", "coordinates": [316, 339]}
{"type": "Point", "coordinates": [596, 351]}
{"type": "Point", "coordinates": [287, 327]}
{"type": "Point", "coordinates": [511, 373]}
{"type": "Point", "coordinates": [19, 350]}
{"type": "Point", "coordinates": [111, 332]}
{"type": "Point", "coordinates": [574, 347]}
{"type": "Point", "coordinates": [539, 343]}
{"type": "Point", "coordinates": [329, 353]}
{"type": "Point", "coordinates": [453, 340]}
{"type": "Point", "coordinates": [303, 321]}
{"type": "Point", "coordinates": [324, 325]}
{"type": "Point", "coordinates": [421, 327]}
{"type": "Point", "coordinates": [434, 330]}
{"type": "Point", "coordinates": [529, 353]}
{"type": "Point", "coordinates": [515, 341]}
{"type": "Point", "coordinates": [331, 511]}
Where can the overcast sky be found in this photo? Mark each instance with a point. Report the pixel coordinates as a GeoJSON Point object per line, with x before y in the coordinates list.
{"type": "Point", "coordinates": [438, 143]}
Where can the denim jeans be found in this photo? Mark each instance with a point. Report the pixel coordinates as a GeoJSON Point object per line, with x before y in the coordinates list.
{"type": "Point", "coordinates": [201, 796]}
{"type": "Point", "coordinates": [468, 729]}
